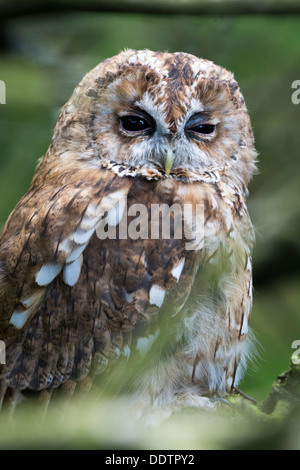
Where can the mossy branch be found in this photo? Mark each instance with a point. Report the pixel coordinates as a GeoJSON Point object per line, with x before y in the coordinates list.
{"type": "Point", "coordinates": [282, 401]}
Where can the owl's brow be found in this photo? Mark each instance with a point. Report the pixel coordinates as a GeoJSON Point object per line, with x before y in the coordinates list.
{"type": "Point", "coordinates": [156, 110]}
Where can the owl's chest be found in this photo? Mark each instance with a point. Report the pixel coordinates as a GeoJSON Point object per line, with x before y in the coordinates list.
{"type": "Point", "coordinates": [147, 253]}
{"type": "Point", "coordinates": [143, 273]}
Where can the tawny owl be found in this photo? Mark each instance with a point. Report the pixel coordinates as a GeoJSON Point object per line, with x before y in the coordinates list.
{"type": "Point", "coordinates": [89, 274]}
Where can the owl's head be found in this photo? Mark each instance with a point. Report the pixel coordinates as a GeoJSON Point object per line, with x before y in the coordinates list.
{"type": "Point", "coordinates": [158, 115]}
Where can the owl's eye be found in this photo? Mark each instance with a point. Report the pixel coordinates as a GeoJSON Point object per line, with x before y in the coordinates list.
{"type": "Point", "coordinates": [203, 129]}
{"type": "Point", "coordinates": [137, 124]}
{"type": "Point", "coordinates": [198, 126]}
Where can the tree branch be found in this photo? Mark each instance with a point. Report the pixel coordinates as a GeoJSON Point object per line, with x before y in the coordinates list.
{"type": "Point", "coordinates": [11, 9]}
{"type": "Point", "coordinates": [283, 399]}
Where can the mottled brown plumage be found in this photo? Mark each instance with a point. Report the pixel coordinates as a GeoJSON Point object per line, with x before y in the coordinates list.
{"type": "Point", "coordinates": [72, 303]}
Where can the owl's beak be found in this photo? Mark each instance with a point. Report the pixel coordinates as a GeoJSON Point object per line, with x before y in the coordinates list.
{"type": "Point", "coordinates": [170, 157]}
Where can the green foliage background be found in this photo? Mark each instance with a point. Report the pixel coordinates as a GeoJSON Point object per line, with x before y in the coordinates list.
{"type": "Point", "coordinates": [43, 57]}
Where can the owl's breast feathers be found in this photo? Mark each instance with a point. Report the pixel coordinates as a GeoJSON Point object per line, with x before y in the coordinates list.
{"type": "Point", "coordinates": [72, 301]}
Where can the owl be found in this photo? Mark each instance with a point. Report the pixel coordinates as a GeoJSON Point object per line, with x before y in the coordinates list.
{"type": "Point", "coordinates": [133, 244]}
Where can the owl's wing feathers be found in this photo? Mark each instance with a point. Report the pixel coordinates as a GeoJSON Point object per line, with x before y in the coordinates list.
{"type": "Point", "coordinates": [93, 292]}
{"type": "Point", "coordinates": [46, 235]}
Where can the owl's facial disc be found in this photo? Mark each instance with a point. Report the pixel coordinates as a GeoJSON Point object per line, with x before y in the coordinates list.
{"type": "Point", "coordinates": [139, 123]}
{"type": "Point", "coordinates": [166, 142]}
{"type": "Point", "coordinates": [157, 115]}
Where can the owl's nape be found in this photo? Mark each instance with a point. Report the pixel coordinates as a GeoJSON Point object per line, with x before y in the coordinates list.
{"type": "Point", "coordinates": [142, 130]}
